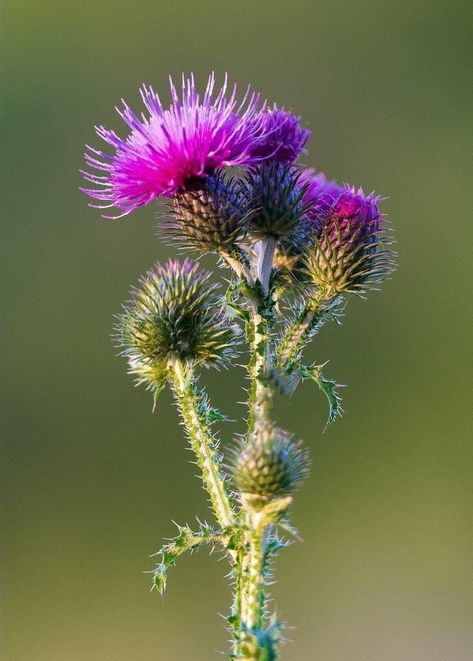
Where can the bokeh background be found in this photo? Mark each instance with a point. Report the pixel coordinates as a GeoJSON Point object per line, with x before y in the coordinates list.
{"type": "Point", "coordinates": [91, 479]}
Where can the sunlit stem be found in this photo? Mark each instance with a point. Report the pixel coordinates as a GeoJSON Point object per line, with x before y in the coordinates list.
{"type": "Point", "coordinates": [253, 597]}
{"type": "Point", "coordinates": [261, 392]}
{"type": "Point", "coordinates": [295, 337]}
{"type": "Point", "coordinates": [192, 410]}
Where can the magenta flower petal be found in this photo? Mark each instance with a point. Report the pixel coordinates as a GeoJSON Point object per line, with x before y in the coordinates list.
{"type": "Point", "coordinates": [169, 147]}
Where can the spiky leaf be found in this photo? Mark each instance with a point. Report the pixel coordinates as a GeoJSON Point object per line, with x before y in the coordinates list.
{"type": "Point", "coordinates": [186, 540]}
{"type": "Point", "coordinates": [329, 389]}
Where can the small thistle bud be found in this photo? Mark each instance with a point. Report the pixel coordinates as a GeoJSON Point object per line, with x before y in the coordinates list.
{"type": "Point", "coordinates": [270, 468]}
{"type": "Point", "coordinates": [276, 199]}
{"type": "Point", "coordinates": [209, 216]}
{"type": "Point", "coordinates": [349, 252]}
{"type": "Point", "coordinates": [174, 314]}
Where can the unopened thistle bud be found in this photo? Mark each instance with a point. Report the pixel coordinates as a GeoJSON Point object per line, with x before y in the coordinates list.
{"type": "Point", "coordinates": [174, 314]}
{"type": "Point", "coordinates": [349, 252]}
{"type": "Point", "coordinates": [210, 216]}
{"type": "Point", "coordinates": [276, 199]}
{"type": "Point", "coordinates": [270, 468]}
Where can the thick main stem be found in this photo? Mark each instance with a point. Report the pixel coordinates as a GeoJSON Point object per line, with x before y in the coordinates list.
{"type": "Point", "coordinates": [250, 595]}
{"type": "Point", "coordinates": [254, 597]}
{"type": "Point", "coordinates": [202, 443]}
{"type": "Point", "coordinates": [261, 393]}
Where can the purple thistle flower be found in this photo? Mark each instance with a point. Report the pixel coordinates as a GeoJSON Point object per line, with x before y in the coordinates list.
{"type": "Point", "coordinates": [343, 203]}
{"type": "Point", "coordinates": [284, 138]}
{"type": "Point", "coordinates": [174, 147]}
{"type": "Point", "coordinates": [355, 217]}
{"type": "Point", "coordinates": [347, 250]}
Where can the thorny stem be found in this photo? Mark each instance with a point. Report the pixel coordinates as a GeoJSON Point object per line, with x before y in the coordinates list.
{"type": "Point", "coordinates": [202, 442]}
{"type": "Point", "coordinates": [249, 597]}
{"type": "Point", "coordinates": [254, 597]}
{"type": "Point", "coordinates": [261, 394]}
{"type": "Point", "coordinates": [294, 338]}
{"type": "Point", "coordinates": [258, 334]}
{"type": "Point", "coordinates": [260, 399]}
{"type": "Point", "coordinates": [250, 590]}
{"type": "Point", "coordinates": [307, 323]}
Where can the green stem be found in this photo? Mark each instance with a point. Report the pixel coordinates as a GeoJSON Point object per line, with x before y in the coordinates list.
{"type": "Point", "coordinates": [303, 328]}
{"type": "Point", "coordinates": [254, 593]}
{"type": "Point", "coordinates": [192, 410]}
{"type": "Point", "coordinates": [295, 338]}
{"type": "Point", "coordinates": [261, 393]}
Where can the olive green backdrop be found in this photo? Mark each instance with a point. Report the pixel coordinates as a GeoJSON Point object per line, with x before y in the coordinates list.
{"type": "Point", "coordinates": [91, 479]}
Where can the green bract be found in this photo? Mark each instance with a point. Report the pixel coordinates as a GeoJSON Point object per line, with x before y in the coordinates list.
{"type": "Point", "coordinates": [212, 217]}
{"type": "Point", "coordinates": [276, 200]}
{"type": "Point", "coordinates": [347, 257]}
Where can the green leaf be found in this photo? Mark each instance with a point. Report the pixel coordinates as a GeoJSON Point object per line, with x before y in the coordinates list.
{"type": "Point", "coordinates": [328, 387]}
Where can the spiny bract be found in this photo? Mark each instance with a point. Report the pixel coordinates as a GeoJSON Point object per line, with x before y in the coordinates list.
{"type": "Point", "coordinates": [276, 200]}
{"type": "Point", "coordinates": [349, 252]}
{"type": "Point", "coordinates": [212, 217]}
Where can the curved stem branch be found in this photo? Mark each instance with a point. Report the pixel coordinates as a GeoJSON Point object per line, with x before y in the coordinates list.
{"type": "Point", "coordinates": [303, 328]}
{"type": "Point", "coordinates": [192, 407]}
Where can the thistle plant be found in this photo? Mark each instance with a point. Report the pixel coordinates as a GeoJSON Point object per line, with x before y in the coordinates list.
{"type": "Point", "coordinates": [295, 247]}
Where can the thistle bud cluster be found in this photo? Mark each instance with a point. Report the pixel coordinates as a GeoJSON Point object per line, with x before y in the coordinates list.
{"type": "Point", "coordinates": [296, 246]}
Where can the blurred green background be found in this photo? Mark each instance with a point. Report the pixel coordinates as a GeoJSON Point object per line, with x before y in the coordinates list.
{"type": "Point", "coordinates": [91, 479]}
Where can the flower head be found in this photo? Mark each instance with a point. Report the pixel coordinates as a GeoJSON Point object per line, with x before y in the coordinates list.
{"type": "Point", "coordinates": [212, 218]}
{"type": "Point", "coordinates": [348, 251]}
{"type": "Point", "coordinates": [283, 137]}
{"type": "Point", "coordinates": [269, 467]}
{"type": "Point", "coordinates": [174, 314]}
{"type": "Point", "coordinates": [276, 197]}
{"type": "Point", "coordinates": [171, 147]}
